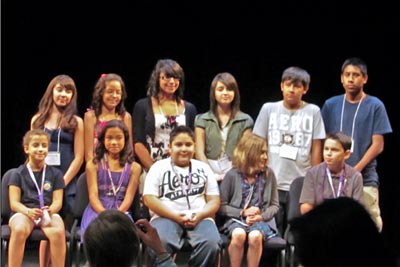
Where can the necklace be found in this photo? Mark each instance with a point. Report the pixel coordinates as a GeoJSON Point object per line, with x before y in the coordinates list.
{"type": "Point", "coordinates": [39, 190]}
{"type": "Point", "coordinates": [114, 190]}
{"type": "Point", "coordinates": [176, 109]}
{"type": "Point", "coordinates": [342, 183]}
{"type": "Point", "coordinates": [354, 119]}
{"type": "Point", "coordinates": [184, 186]}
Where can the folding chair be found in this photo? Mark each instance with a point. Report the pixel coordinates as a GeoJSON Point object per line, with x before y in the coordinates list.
{"type": "Point", "coordinates": [81, 201]}
{"type": "Point", "coordinates": [37, 234]}
{"type": "Point", "coordinates": [273, 246]}
{"type": "Point", "coordinates": [293, 212]}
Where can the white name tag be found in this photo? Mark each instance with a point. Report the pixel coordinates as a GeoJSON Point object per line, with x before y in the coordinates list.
{"type": "Point", "coordinates": [53, 158]}
{"type": "Point", "coordinates": [224, 164]}
{"type": "Point", "coordinates": [221, 165]}
{"type": "Point", "coordinates": [289, 152]}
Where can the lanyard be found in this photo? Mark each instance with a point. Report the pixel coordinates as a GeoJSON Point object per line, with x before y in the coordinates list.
{"type": "Point", "coordinates": [58, 138]}
{"type": "Point", "coordinates": [342, 183]}
{"type": "Point", "coordinates": [39, 190]}
{"type": "Point", "coordinates": [114, 190]}
{"type": "Point", "coordinates": [250, 195]}
{"type": "Point", "coordinates": [185, 186]}
{"type": "Point", "coordinates": [355, 116]}
{"type": "Point", "coordinates": [248, 198]}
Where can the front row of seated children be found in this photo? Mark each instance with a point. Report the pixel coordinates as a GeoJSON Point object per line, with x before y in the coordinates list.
{"type": "Point", "coordinates": [178, 192]}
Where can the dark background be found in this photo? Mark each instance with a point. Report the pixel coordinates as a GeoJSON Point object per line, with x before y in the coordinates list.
{"type": "Point", "coordinates": [255, 41]}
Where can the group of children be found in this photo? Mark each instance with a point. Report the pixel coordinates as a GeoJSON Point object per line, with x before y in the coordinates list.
{"type": "Point", "coordinates": [190, 167]}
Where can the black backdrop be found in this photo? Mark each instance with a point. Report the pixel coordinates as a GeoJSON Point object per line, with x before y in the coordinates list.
{"type": "Point", "coordinates": [254, 41]}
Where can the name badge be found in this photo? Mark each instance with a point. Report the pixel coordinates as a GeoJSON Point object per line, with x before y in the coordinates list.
{"type": "Point", "coordinates": [289, 152]}
{"type": "Point", "coordinates": [53, 158]}
{"type": "Point", "coordinates": [224, 164]}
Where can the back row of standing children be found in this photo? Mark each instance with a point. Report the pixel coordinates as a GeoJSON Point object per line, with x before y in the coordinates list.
{"type": "Point", "coordinates": [293, 128]}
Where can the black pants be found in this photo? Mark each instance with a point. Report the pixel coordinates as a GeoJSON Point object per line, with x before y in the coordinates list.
{"type": "Point", "coordinates": [281, 219]}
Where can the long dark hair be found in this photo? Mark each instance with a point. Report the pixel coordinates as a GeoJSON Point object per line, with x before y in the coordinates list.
{"type": "Point", "coordinates": [170, 68]}
{"type": "Point", "coordinates": [231, 84]}
{"type": "Point", "coordinates": [126, 154]}
{"type": "Point", "coordinates": [67, 121]}
{"type": "Point", "coordinates": [97, 98]}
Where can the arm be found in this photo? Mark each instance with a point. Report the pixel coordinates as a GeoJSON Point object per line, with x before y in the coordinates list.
{"type": "Point", "coordinates": [139, 132]}
{"type": "Point", "coordinates": [270, 197]}
{"type": "Point", "coordinates": [149, 235]}
{"type": "Point", "coordinates": [56, 203]}
{"type": "Point", "coordinates": [79, 149]}
{"type": "Point", "coordinates": [93, 190]}
{"type": "Point", "coordinates": [88, 124]}
{"type": "Point", "coordinates": [305, 207]}
{"type": "Point", "coordinates": [261, 124]}
{"type": "Point", "coordinates": [308, 195]}
{"type": "Point", "coordinates": [33, 120]}
{"type": "Point", "coordinates": [200, 136]}
{"type": "Point", "coordinates": [17, 206]}
{"type": "Point", "coordinates": [128, 123]}
{"type": "Point", "coordinates": [158, 207]}
{"type": "Point", "coordinates": [190, 113]}
{"type": "Point", "coordinates": [230, 195]}
{"type": "Point", "coordinates": [316, 152]}
{"type": "Point", "coordinates": [209, 210]}
{"type": "Point", "coordinates": [358, 188]}
{"type": "Point", "coordinates": [143, 155]}
{"type": "Point", "coordinates": [273, 205]}
{"type": "Point", "coordinates": [134, 176]}
{"type": "Point", "coordinates": [373, 151]}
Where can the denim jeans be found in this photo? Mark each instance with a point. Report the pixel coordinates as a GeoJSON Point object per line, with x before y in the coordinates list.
{"type": "Point", "coordinates": [204, 240]}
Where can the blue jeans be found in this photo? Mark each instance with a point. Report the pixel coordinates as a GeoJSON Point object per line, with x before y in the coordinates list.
{"type": "Point", "coordinates": [204, 239]}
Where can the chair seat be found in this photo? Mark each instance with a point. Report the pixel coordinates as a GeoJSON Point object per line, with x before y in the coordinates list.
{"type": "Point", "coordinates": [36, 235]}
{"type": "Point", "coordinates": [275, 243]}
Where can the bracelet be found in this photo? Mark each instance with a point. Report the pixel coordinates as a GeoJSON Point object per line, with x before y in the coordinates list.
{"type": "Point", "coordinates": [161, 254]}
{"type": "Point", "coordinates": [162, 257]}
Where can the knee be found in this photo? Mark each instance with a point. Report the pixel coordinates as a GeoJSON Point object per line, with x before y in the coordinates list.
{"type": "Point", "coordinates": [57, 234]}
{"type": "Point", "coordinates": [238, 236]}
{"type": "Point", "coordinates": [21, 233]}
{"type": "Point", "coordinates": [255, 239]}
{"type": "Point", "coordinates": [212, 244]}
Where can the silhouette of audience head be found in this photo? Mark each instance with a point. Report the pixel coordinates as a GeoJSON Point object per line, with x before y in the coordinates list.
{"type": "Point", "coordinates": [111, 240]}
{"type": "Point", "coordinates": [339, 232]}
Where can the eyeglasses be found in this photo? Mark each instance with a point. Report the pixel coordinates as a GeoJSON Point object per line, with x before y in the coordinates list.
{"type": "Point", "coordinates": [167, 78]}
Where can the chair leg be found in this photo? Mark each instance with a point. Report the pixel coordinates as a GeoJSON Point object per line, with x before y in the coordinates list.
{"type": "Point", "coordinates": [139, 260]}
{"type": "Point", "coordinates": [78, 254]}
{"type": "Point", "coordinates": [219, 259]}
{"type": "Point", "coordinates": [68, 255]}
{"type": "Point", "coordinates": [3, 259]}
{"type": "Point", "coordinates": [291, 256]}
{"type": "Point", "coordinates": [282, 258]}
